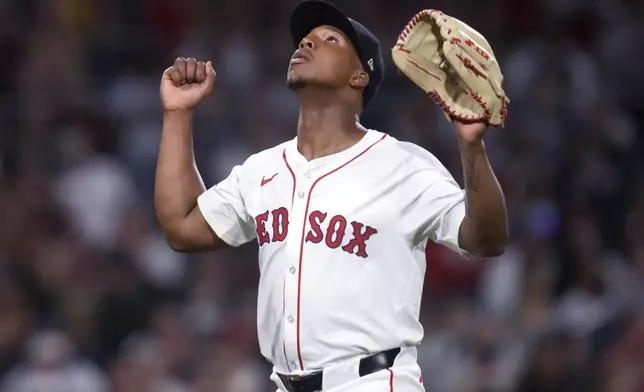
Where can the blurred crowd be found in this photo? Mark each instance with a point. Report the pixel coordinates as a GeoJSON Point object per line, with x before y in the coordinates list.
{"type": "Point", "coordinates": [93, 300]}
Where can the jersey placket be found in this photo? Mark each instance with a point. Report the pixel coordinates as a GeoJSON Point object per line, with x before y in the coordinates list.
{"type": "Point", "coordinates": [293, 284]}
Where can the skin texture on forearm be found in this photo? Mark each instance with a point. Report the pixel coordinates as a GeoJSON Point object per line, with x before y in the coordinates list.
{"type": "Point", "coordinates": [484, 231]}
{"type": "Point", "coordinates": [178, 184]}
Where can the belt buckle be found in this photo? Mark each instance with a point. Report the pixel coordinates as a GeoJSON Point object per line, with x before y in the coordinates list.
{"type": "Point", "coordinates": [292, 386]}
{"type": "Point", "coordinates": [290, 383]}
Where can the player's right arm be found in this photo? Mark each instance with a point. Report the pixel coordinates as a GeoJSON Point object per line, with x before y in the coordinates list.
{"type": "Point", "coordinates": [178, 184]}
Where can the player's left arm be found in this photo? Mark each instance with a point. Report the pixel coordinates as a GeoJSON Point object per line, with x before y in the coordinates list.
{"type": "Point", "coordinates": [484, 230]}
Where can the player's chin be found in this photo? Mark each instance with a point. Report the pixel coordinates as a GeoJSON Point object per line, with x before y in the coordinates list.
{"type": "Point", "coordinates": [296, 80]}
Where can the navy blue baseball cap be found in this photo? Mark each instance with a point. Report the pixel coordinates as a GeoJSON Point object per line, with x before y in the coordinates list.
{"type": "Point", "coordinates": [309, 14]}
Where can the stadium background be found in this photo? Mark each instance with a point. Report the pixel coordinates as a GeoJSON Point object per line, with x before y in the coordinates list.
{"type": "Point", "coordinates": [91, 298]}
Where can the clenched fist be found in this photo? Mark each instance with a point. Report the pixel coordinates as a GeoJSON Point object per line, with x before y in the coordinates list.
{"type": "Point", "coordinates": [186, 83]}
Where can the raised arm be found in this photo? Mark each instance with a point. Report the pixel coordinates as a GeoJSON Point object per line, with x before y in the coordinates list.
{"type": "Point", "coordinates": [177, 182]}
{"type": "Point", "coordinates": [484, 230]}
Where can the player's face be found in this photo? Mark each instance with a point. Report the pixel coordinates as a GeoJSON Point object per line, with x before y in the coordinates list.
{"type": "Point", "coordinates": [325, 59]}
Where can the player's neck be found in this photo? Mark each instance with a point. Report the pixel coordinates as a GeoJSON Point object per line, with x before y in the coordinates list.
{"type": "Point", "coordinates": [325, 129]}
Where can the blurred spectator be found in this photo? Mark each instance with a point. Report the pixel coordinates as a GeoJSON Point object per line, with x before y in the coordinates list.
{"type": "Point", "coordinates": [623, 368]}
{"type": "Point", "coordinates": [558, 364]}
{"type": "Point", "coordinates": [51, 365]}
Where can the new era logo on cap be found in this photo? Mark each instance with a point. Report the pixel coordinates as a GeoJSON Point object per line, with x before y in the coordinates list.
{"type": "Point", "coordinates": [370, 64]}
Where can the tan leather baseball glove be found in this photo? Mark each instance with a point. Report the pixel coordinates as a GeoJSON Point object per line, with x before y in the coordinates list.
{"type": "Point", "coordinates": [455, 65]}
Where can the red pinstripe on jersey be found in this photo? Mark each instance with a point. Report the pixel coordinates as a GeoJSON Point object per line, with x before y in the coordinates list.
{"type": "Point", "coordinates": [292, 175]}
{"type": "Point", "coordinates": [283, 313]}
{"type": "Point", "coordinates": [306, 213]}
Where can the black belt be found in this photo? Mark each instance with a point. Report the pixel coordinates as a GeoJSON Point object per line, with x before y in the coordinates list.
{"type": "Point", "coordinates": [313, 382]}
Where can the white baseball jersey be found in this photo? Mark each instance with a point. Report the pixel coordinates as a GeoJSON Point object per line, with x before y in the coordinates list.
{"type": "Point", "coordinates": [341, 244]}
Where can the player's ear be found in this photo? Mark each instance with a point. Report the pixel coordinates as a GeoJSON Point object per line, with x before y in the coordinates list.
{"type": "Point", "coordinates": [360, 79]}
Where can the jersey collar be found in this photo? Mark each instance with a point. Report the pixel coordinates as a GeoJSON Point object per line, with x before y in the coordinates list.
{"type": "Point", "coordinates": [337, 159]}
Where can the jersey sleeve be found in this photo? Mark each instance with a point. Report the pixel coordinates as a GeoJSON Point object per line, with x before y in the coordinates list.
{"type": "Point", "coordinates": [222, 206]}
{"type": "Point", "coordinates": [431, 203]}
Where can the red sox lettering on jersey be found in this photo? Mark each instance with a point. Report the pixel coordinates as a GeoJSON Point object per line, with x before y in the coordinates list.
{"type": "Point", "coordinates": [341, 244]}
{"type": "Point", "coordinates": [333, 237]}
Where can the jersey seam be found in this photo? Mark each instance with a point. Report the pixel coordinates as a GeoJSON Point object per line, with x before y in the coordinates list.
{"type": "Point", "coordinates": [306, 210]}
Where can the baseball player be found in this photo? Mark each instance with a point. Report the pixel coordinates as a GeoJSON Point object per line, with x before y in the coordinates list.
{"type": "Point", "coordinates": [341, 213]}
